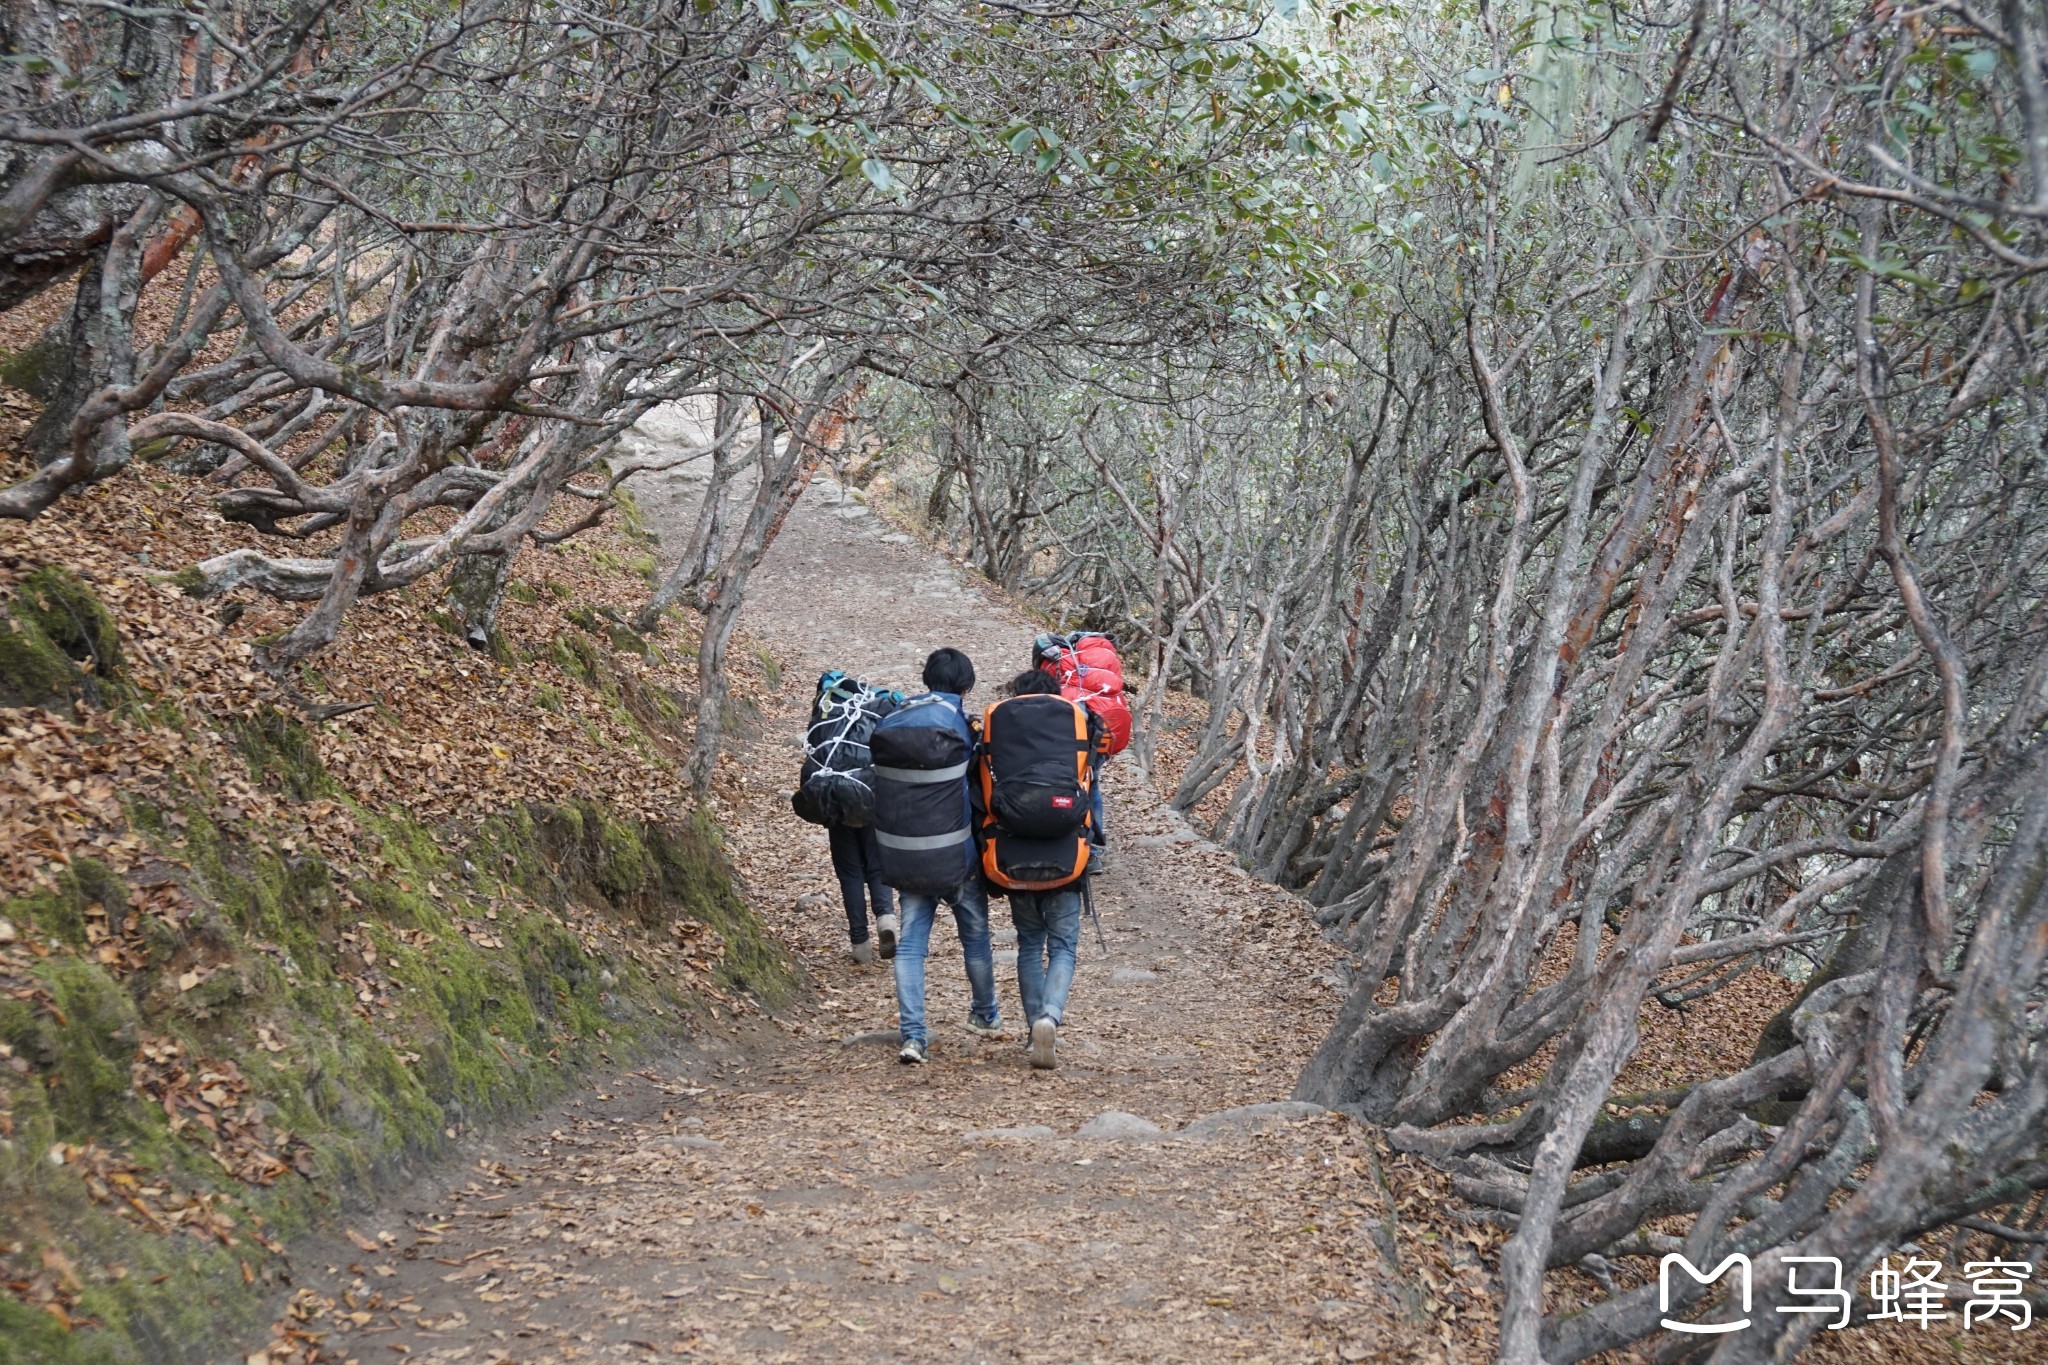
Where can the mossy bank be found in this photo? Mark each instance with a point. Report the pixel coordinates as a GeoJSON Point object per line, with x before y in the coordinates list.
{"type": "Point", "coordinates": [212, 1050]}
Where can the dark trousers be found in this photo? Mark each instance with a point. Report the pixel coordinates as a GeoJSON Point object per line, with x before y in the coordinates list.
{"type": "Point", "coordinates": [857, 864]}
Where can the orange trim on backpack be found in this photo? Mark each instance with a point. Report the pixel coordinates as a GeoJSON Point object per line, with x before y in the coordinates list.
{"type": "Point", "coordinates": [988, 867]}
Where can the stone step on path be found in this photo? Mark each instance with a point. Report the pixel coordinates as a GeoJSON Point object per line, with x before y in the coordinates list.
{"type": "Point", "coordinates": [1113, 1125]}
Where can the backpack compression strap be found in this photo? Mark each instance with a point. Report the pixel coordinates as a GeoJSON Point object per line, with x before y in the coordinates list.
{"type": "Point", "coordinates": [918, 843]}
{"type": "Point", "coordinates": [918, 777]}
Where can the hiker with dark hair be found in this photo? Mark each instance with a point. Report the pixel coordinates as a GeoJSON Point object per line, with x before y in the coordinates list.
{"type": "Point", "coordinates": [924, 833]}
{"type": "Point", "coordinates": [1039, 759]}
{"type": "Point", "coordinates": [1033, 682]}
{"type": "Point", "coordinates": [946, 669]}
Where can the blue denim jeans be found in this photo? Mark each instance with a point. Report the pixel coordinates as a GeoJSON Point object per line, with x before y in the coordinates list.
{"type": "Point", "coordinates": [913, 943]}
{"type": "Point", "coordinates": [1048, 935]}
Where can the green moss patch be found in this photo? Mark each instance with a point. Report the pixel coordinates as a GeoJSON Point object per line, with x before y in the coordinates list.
{"type": "Point", "coordinates": [465, 976]}
{"type": "Point", "coordinates": [579, 658]}
{"type": "Point", "coordinates": [280, 747]}
{"type": "Point", "coordinates": [37, 369]}
{"type": "Point", "coordinates": [61, 911]}
{"type": "Point", "coordinates": [58, 644]}
{"type": "Point", "coordinates": [607, 625]}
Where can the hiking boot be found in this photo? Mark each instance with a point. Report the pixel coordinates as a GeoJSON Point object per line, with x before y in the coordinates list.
{"type": "Point", "coordinates": [992, 1029]}
{"type": "Point", "coordinates": [885, 936]}
{"type": "Point", "coordinates": [913, 1053]}
{"type": "Point", "coordinates": [863, 952]}
{"type": "Point", "coordinates": [1044, 1037]}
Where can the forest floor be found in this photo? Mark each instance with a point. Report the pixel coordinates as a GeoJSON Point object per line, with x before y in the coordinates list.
{"type": "Point", "coordinates": [796, 1193]}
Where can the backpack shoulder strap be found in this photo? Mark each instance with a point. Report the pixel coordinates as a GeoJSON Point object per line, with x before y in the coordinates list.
{"type": "Point", "coordinates": [959, 713]}
{"type": "Point", "coordinates": [1084, 743]}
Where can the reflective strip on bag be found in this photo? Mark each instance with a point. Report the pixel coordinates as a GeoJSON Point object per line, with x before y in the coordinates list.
{"type": "Point", "coordinates": [921, 776]}
{"type": "Point", "coordinates": [915, 843]}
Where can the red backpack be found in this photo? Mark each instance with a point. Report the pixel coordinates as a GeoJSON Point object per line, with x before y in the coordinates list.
{"type": "Point", "coordinates": [1089, 671]}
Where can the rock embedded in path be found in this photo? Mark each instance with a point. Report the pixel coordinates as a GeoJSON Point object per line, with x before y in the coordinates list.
{"type": "Point", "coordinates": [1025, 1134]}
{"type": "Point", "coordinates": [1249, 1118]}
{"type": "Point", "coordinates": [1114, 1124]}
{"type": "Point", "coordinates": [685, 1142]}
{"type": "Point", "coordinates": [878, 1035]}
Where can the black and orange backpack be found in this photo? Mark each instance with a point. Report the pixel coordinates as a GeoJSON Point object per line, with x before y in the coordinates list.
{"type": "Point", "coordinates": [1037, 784]}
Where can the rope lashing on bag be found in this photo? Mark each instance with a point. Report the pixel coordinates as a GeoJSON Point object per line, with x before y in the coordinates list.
{"type": "Point", "coordinates": [835, 785]}
{"type": "Point", "coordinates": [843, 709]}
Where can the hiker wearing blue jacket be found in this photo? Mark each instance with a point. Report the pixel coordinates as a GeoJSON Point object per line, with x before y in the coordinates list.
{"type": "Point", "coordinates": [925, 837]}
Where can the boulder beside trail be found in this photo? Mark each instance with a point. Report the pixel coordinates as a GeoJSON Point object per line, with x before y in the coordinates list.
{"type": "Point", "coordinates": [1113, 1124]}
{"type": "Point", "coordinates": [1248, 1118]}
{"type": "Point", "coordinates": [1025, 1134]}
{"type": "Point", "coordinates": [878, 1035]}
{"type": "Point", "coordinates": [685, 1142]}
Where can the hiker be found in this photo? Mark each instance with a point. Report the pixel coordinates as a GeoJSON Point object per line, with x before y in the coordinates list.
{"type": "Point", "coordinates": [1086, 665]}
{"type": "Point", "coordinates": [925, 836]}
{"type": "Point", "coordinates": [836, 789]}
{"type": "Point", "coordinates": [857, 863]}
{"type": "Point", "coordinates": [1041, 754]}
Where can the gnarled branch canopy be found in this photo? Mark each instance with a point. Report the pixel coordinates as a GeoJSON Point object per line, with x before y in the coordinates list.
{"type": "Point", "coordinates": [432, 260]}
{"type": "Point", "coordinates": [1615, 582]}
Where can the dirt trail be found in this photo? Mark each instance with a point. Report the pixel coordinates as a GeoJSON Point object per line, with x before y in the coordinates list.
{"type": "Point", "coordinates": [787, 1194]}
